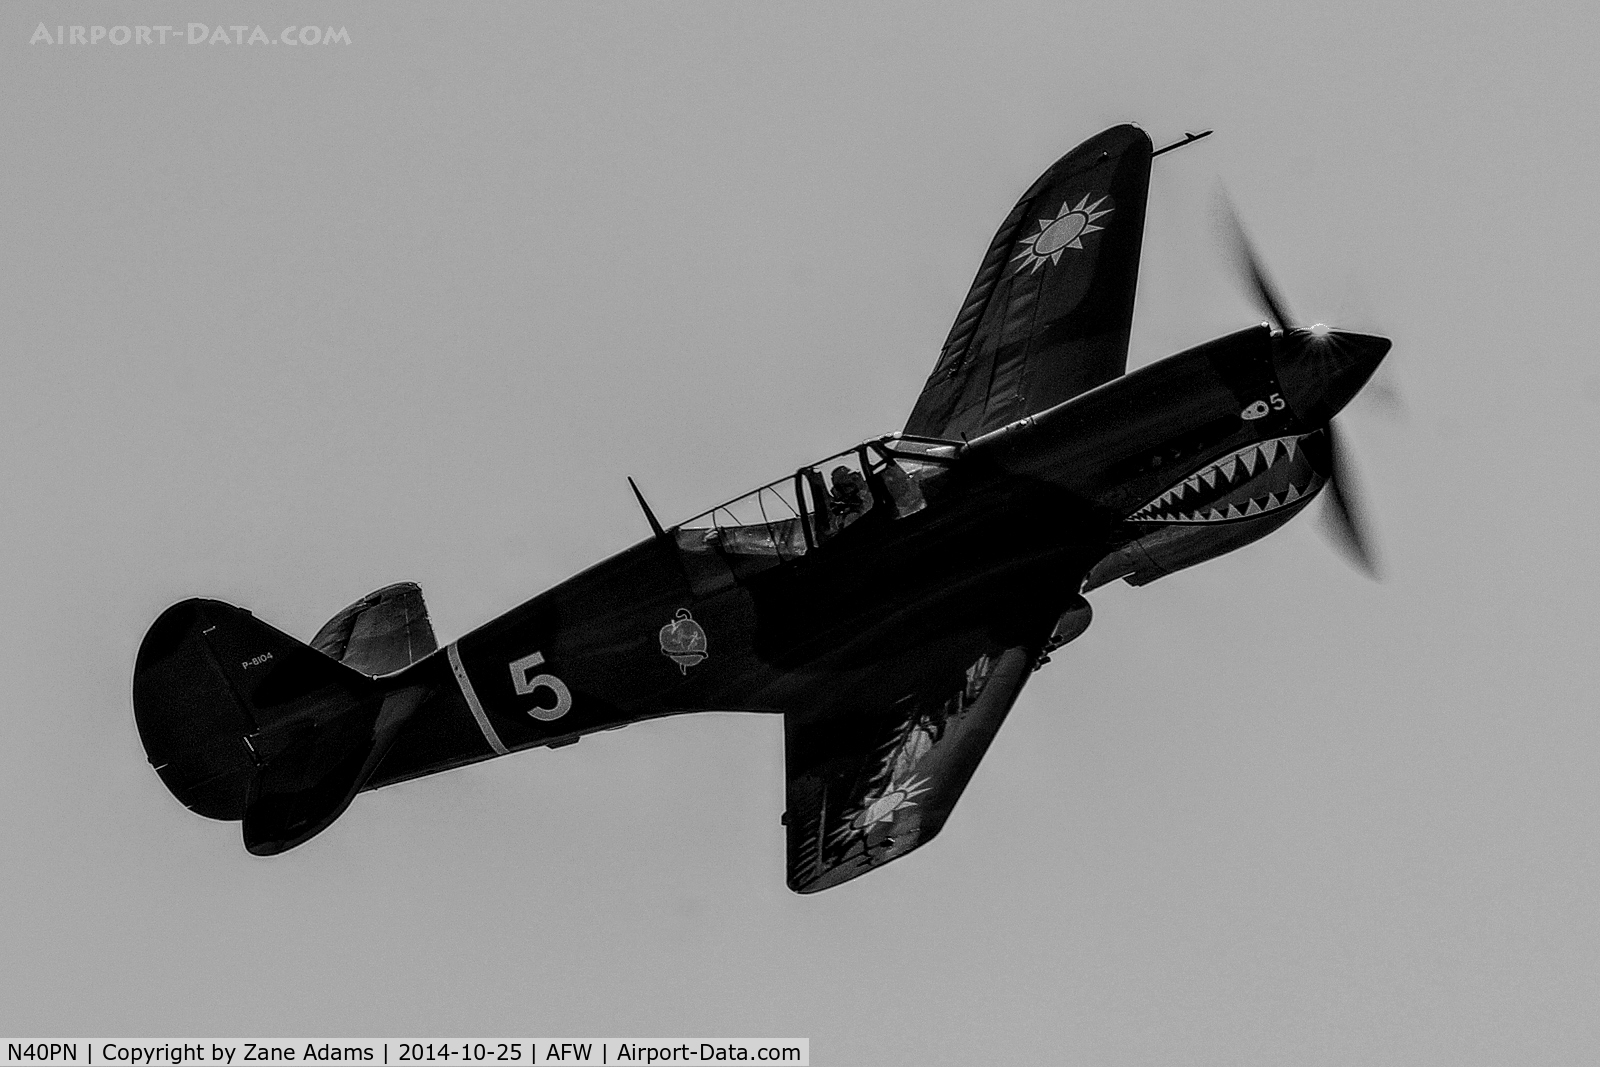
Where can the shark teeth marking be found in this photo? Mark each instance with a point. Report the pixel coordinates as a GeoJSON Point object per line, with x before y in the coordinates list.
{"type": "Point", "coordinates": [1253, 507]}
{"type": "Point", "coordinates": [1257, 459]}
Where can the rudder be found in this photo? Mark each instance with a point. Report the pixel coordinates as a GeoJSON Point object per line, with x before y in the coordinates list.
{"type": "Point", "coordinates": [242, 721]}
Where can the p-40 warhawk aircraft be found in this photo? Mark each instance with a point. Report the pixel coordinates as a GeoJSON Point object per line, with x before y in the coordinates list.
{"type": "Point", "coordinates": [888, 601]}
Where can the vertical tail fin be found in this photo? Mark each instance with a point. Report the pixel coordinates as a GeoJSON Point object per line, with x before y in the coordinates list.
{"type": "Point", "coordinates": [241, 721]}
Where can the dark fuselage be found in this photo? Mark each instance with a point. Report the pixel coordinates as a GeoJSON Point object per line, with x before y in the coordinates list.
{"type": "Point", "coordinates": [1023, 518]}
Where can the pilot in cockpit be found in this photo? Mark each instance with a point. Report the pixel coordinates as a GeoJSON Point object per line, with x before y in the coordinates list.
{"type": "Point", "coordinates": [849, 496]}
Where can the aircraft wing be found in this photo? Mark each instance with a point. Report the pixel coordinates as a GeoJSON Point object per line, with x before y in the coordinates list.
{"type": "Point", "coordinates": [1050, 310]}
{"type": "Point", "coordinates": [868, 783]}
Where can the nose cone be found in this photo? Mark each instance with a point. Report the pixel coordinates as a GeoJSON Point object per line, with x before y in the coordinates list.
{"type": "Point", "coordinates": [1321, 369]}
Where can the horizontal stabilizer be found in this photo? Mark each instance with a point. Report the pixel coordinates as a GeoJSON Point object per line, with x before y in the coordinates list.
{"type": "Point", "coordinates": [381, 633]}
{"type": "Point", "coordinates": [302, 788]}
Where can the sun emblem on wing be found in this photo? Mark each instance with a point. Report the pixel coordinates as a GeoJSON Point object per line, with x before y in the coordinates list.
{"type": "Point", "coordinates": [1064, 231]}
{"type": "Point", "coordinates": [882, 807]}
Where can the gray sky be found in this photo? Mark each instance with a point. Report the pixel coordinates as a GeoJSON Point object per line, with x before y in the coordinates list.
{"type": "Point", "coordinates": [287, 324]}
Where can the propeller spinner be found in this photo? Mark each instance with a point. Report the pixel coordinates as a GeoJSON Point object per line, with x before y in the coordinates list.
{"type": "Point", "coordinates": [1320, 370]}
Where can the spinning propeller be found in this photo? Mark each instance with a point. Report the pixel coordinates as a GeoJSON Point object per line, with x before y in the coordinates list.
{"type": "Point", "coordinates": [1322, 369]}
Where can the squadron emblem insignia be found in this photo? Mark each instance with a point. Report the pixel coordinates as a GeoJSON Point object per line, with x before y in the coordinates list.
{"type": "Point", "coordinates": [1060, 233]}
{"type": "Point", "coordinates": [683, 641]}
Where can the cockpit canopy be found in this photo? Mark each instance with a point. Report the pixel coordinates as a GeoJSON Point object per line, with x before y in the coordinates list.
{"type": "Point", "coordinates": [891, 476]}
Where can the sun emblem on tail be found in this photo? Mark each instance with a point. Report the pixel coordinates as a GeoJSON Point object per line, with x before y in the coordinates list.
{"type": "Point", "coordinates": [1064, 231]}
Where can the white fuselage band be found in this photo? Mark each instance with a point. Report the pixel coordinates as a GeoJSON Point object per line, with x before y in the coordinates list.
{"type": "Point", "coordinates": [473, 704]}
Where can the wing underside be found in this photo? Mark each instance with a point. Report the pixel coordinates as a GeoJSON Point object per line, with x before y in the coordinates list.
{"type": "Point", "coordinates": [1049, 313]}
{"type": "Point", "coordinates": [871, 779]}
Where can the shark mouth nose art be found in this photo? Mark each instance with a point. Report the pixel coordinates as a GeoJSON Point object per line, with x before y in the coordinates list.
{"type": "Point", "coordinates": [1260, 477]}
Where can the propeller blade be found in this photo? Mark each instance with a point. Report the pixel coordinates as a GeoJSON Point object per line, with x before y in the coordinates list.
{"type": "Point", "coordinates": [1249, 266]}
{"type": "Point", "coordinates": [1346, 522]}
{"type": "Point", "coordinates": [1344, 514]}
